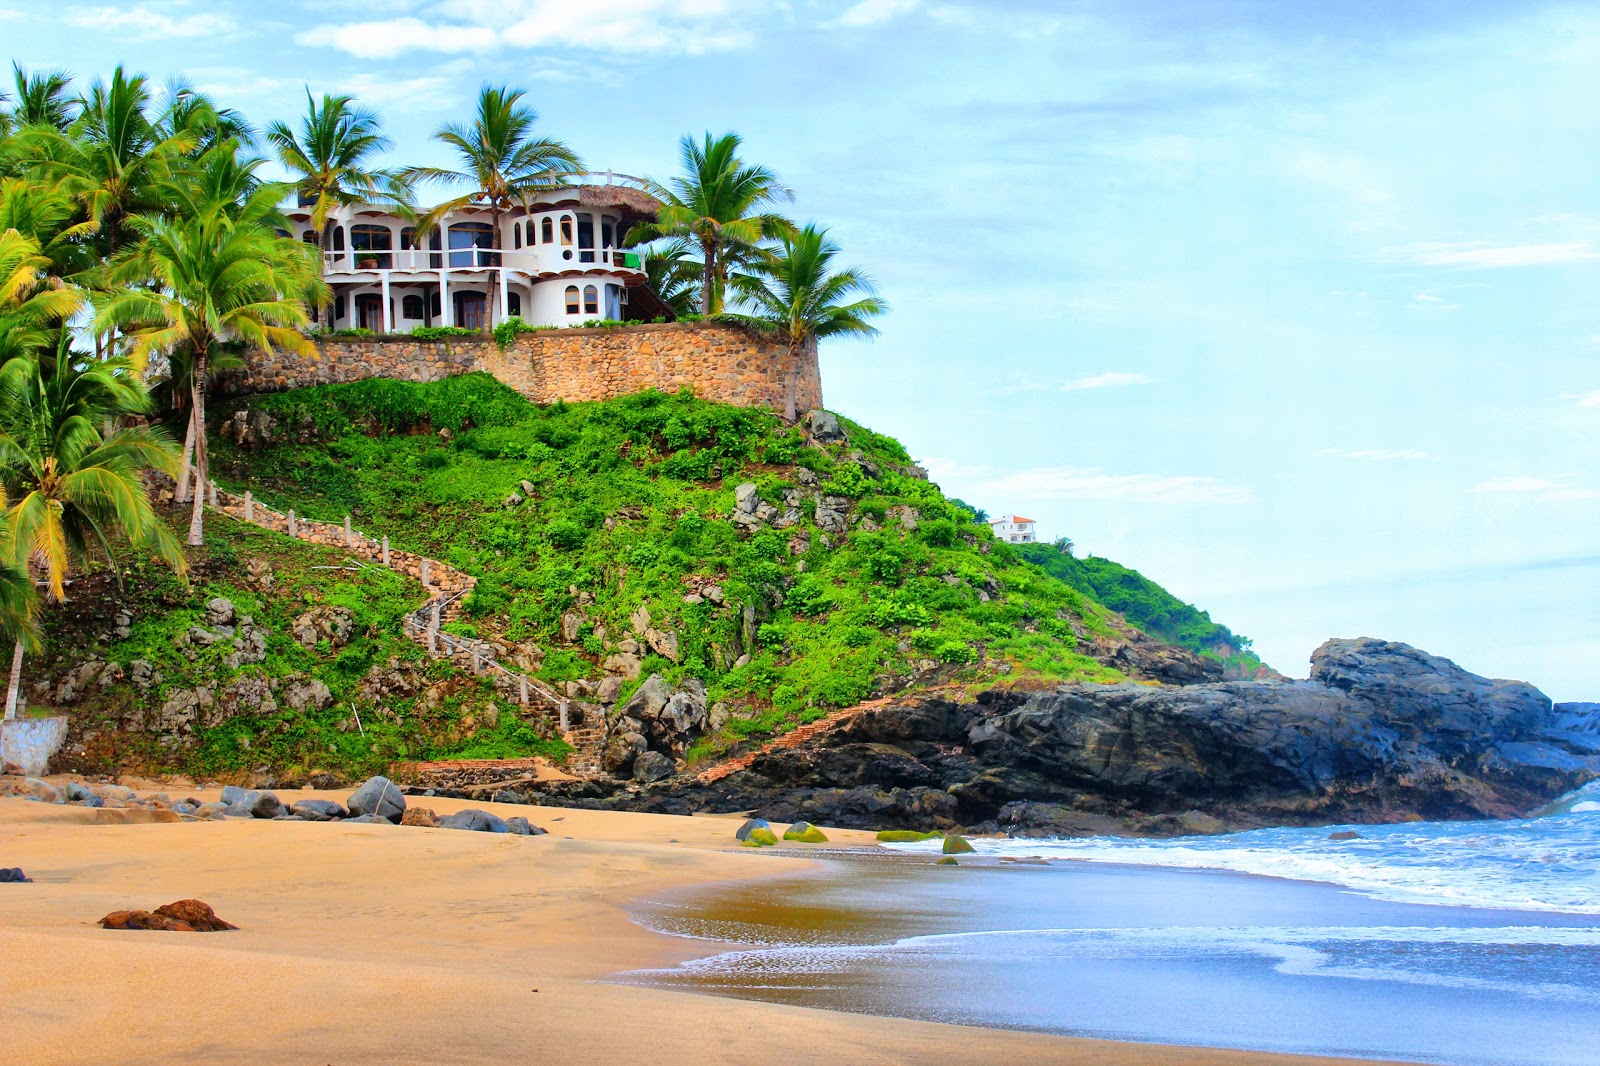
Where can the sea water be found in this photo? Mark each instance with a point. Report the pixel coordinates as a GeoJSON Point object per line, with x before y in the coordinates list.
{"type": "Point", "coordinates": [1448, 942]}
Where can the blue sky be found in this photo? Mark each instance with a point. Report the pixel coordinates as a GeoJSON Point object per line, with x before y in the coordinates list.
{"type": "Point", "coordinates": [1292, 306]}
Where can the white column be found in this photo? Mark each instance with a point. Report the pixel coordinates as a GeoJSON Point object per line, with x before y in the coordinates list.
{"type": "Point", "coordinates": [446, 310]}
{"type": "Point", "coordinates": [388, 322]}
{"type": "Point", "coordinates": [504, 304]}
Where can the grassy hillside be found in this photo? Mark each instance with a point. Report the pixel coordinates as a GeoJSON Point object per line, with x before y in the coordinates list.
{"type": "Point", "coordinates": [631, 507]}
{"type": "Point", "coordinates": [1147, 605]}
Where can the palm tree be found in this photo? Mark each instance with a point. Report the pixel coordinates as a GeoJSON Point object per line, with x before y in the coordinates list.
{"type": "Point", "coordinates": [796, 293]}
{"type": "Point", "coordinates": [673, 275]}
{"type": "Point", "coordinates": [188, 110]}
{"type": "Point", "coordinates": [216, 279]}
{"type": "Point", "coordinates": [331, 156]}
{"type": "Point", "coordinates": [41, 99]}
{"type": "Point", "coordinates": [716, 202]}
{"type": "Point", "coordinates": [502, 164]}
{"type": "Point", "coordinates": [31, 310]}
{"type": "Point", "coordinates": [75, 483]}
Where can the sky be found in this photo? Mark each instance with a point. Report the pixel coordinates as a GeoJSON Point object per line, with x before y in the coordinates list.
{"type": "Point", "coordinates": [1291, 306]}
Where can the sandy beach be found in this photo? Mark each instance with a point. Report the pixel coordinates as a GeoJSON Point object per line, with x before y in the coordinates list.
{"type": "Point", "coordinates": [365, 943]}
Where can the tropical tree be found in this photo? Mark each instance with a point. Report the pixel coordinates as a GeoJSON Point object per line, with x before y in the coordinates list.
{"type": "Point", "coordinates": [72, 484]}
{"type": "Point", "coordinates": [501, 163]}
{"type": "Point", "coordinates": [796, 292]}
{"type": "Point", "coordinates": [216, 277]}
{"type": "Point", "coordinates": [31, 310]}
{"type": "Point", "coordinates": [40, 99]}
{"type": "Point", "coordinates": [717, 202]}
{"type": "Point", "coordinates": [188, 110]}
{"type": "Point", "coordinates": [673, 275]}
{"type": "Point", "coordinates": [332, 156]}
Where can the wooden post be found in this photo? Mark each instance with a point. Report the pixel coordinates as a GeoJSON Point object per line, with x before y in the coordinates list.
{"type": "Point", "coordinates": [424, 572]}
{"type": "Point", "coordinates": [249, 507]}
{"type": "Point", "coordinates": [385, 549]}
{"type": "Point", "coordinates": [433, 628]}
{"type": "Point", "coordinates": [524, 679]}
{"type": "Point", "coordinates": [347, 531]}
{"type": "Point", "coordinates": [293, 532]}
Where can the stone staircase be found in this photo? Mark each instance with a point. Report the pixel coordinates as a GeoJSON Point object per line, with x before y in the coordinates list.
{"type": "Point", "coordinates": [447, 587]}
{"type": "Point", "coordinates": [792, 739]}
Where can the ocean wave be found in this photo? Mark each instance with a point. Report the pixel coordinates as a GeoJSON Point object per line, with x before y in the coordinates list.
{"type": "Point", "coordinates": [1547, 863]}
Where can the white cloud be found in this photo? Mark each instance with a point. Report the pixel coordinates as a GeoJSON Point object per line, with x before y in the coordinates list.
{"type": "Point", "coordinates": [147, 22]}
{"type": "Point", "coordinates": [872, 12]}
{"type": "Point", "coordinates": [1590, 399]}
{"type": "Point", "coordinates": [684, 27]}
{"type": "Point", "coordinates": [1542, 488]}
{"type": "Point", "coordinates": [1375, 455]}
{"type": "Point", "coordinates": [1112, 379]}
{"type": "Point", "coordinates": [1481, 255]}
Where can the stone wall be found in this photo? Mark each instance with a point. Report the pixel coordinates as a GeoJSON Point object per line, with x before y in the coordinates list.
{"type": "Point", "coordinates": [28, 743]}
{"type": "Point", "coordinates": [720, 362]}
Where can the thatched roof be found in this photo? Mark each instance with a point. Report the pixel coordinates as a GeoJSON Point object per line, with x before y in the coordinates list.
{"type": "Point", "coordinates": [634, 204]}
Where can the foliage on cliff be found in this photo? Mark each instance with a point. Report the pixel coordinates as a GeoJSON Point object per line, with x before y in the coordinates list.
{"type": "Point", "coordinates": [157, 695]}
{"type": "Point", "coordinates": [1147, 605]}
{"type": "Point", "coordinates": [632, 506]}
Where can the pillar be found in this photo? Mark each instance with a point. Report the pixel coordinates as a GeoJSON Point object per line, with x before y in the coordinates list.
{"type": "Point", "coordinates": [212, 493]}
{"type": "Point", "coordinates": [385, 549]}
{"type": "Point", "coordinates": [433, 628]}
{"type": "Point", "coordinates": [505, 298]}
{"type": "Point", "coordinates": [249, 507]}
{"type": "Point", "coordinates": [425, 574]}
{"type": "Point", "coordinates": [347, 531]}
{"type": "Point", "coordinates": [388, 320]}
{"type": "Point", "coordinates": [523, 678]}
{"type": "Point", "coordinates": [293, 531]}
{"type": "Point", "coordinates": [446, 310]}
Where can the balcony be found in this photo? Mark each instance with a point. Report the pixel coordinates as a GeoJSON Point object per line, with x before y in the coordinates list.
{"type": "Point", "coordinates": [548, 259]}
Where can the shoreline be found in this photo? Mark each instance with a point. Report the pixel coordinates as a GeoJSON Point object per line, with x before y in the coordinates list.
{"type": "Point", "coordinates": [361, 942]}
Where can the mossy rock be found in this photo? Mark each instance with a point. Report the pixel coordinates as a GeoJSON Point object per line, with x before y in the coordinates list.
{"type": "Point", "coordinates": [904, 836]}
{"type": "Point", "coordinates": [760, 838]}
{"type": "Point", "coordinates": [806, 833]}
{"type": "Point", "coordinates": [956, 844]}
{"type": "Point", "coordinates": [948, 860]}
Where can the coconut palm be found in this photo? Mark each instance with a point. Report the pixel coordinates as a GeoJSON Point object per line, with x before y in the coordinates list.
{"type": "Point", "coordinates": [716, 202]}
{"type": "Point", "coordinates": [216, 280]}
{"type": "Point", "coordinates": [73, 484]}
{"type": "Point", "coordinates": [41, 99]}
{"type": "Point", "coordinates": [796, 292]}
{"type": "Point", "coordinates": [501, 163]}
{"type": "Point", "coordinates": [331, 157]}
{"type": "Point", "coordinates": [188, 110]}
{"type": "Point", "coordinates": [31, 311]}
{"type": "Point", "coordinates": [673, 275]}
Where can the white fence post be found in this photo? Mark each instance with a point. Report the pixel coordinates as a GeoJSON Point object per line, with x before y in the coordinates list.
{"type": "Point", "coordinates": [433, 628]}
{"type": "Point", "coordinates": [347, 531]}
{"type": "Point", "coordinates": [249, 507]}
{"type": "Point", "coordinates": [564, 716]}
{"type": "Point", "coordinates": [524, 679]}
{"type": "Point", "coordinates": [424, 572]}
{"type": "Point", "coordinates": [386, 549]}
{"type": "Point", "coordinates": [213, 491]}
{"type": "Point", "coordinates": [292, 530]}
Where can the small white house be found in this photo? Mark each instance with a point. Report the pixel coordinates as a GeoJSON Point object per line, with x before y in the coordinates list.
{"type": "Point", "coordinates": [1013, 529]}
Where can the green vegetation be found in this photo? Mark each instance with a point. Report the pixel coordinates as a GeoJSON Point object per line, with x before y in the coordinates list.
{"type": "Point", "coordinates": [1146, 605]}
{"type": "Point", "coordinates": [760, 838]}
{"type": "Point", "coordinates": [631, 506]}
{"type": "Point", "coordinates": [809, 835]}
{"type": "Point", "coordinates": [955, 844]}
{"type": "Point", "coordinates": [906, 836]}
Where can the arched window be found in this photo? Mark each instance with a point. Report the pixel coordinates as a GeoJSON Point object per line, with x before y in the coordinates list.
{"type": "Point", "coordinates": [572, 299]}
{"type": "Point", "coordinates": [591, 300]}
{"type": "Point", "coordinates": [514, 304]}
{"type": "Point", "coordinates": [411, 308]}
{"type": "Point", "coordinates": [532, 233]}
{"type": "Point", "coordinates": [566, 230]}
{"type": "Point", "coordinates": [546, 230]}
{"type": "Point", "coordinates": [338, 238]}
{"type": "Point", "coordinates": [372, 246]}
{"type": "Point", "coordinates": [516, 235]}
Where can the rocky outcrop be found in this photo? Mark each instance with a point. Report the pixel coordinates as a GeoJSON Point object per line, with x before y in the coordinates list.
{"type": "Point", "coordinates": [1380, 732]}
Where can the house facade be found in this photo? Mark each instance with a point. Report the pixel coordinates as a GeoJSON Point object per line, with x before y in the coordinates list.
{"type": "Point", "coordinates": [1013, 529]}
{"type": "Point", "coordinates": [561, 261]}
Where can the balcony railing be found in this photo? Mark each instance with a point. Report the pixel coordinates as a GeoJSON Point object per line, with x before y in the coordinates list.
{"type": "Point", "coordinates": [539, 260]}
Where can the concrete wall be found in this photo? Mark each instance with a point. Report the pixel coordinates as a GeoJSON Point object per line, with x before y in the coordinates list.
{"type": "Point", "coordinates": [28, 743]}
{"type": "Point", "coordinates": [721, 362]}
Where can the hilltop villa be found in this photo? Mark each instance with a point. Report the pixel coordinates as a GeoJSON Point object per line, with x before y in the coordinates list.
{"type": "Point", "coordinates": [1013, 529]}
{"type": "Point", "coordinates": [561, 261]}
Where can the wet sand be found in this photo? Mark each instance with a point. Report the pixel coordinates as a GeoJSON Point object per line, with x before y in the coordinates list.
{"type": "Point", "coordinates": [365, 943]}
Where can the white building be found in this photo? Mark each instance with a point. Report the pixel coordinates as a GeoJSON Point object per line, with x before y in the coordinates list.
{"type": "Point", "coordinates": [1014, 529]}
{"type": "Point", "coordinates": [561, 261]}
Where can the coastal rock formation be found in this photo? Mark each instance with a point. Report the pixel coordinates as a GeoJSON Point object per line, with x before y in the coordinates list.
{"type": "Point", "coordinates": [1380, 732]}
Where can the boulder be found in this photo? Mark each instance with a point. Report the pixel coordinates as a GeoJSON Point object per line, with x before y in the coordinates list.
{"type": "Point", "coordinates": [620, 752]}
{"type": "Point", "coordinates": [760, 838]}
{"type": "Point", "coordinates": [43, 791]}
{"type": "Point", "coordinates": [474, 820]}
{"type": "Point", "coordinates": [750, 826]}
{"type": "Point", "coordinates": [267, 805]}
{"type": "Point", "coordinates": [806, 833]}
{"type": "Point", "coordinates": [367, 819]}
{"type": "Point", "coordinates": [182, 916]}
{"type": "Point", "coordinates": [315, 810]}
{"type": "Point", "coordinates": [13, 875]}
{"type": "Point", "coordinates": [523, 827]}
{"type": "Point", "coordinates": [378, 796]}
{"type": "Point", "coordinates": [825, 427]}
{"type": "Point", "coordinates": [422, 817]}
{"type": "Point", "coordinates": [219, 612]}
{"type": "Point", "coordinates": [956, 844]}
{"type": "Point", "coordinates": [653, 766]}
{"type": "Point", "coordinates": [306, 694]}
{"type": "Point", "coordinates": [328, 622]}
{"type": "Point", "coordinates": [234, 796]}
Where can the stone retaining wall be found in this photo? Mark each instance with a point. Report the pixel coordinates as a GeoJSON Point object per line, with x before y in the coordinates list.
{"type": "Point", "coordinates": [720, 362]}
{"type": "Point", "coordinates": [28, 743]}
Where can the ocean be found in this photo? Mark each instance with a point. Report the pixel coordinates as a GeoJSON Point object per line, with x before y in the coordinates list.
{"type": "Point", "coordinates": [1445, 942]}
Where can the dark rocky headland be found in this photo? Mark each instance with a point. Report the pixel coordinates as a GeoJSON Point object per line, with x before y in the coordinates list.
{"type": "Point", "coordinates": [1381, 732]}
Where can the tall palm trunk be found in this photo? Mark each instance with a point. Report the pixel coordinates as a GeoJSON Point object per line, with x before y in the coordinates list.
{"type": "Point", "coordinates": [201, 465]}
{"type": "Point", "coordinates": [791, 385]}
{"type": "Point", "coordinates": [16, 682]}
{"type": "Point", "coordinates": [708, 277]}
{"type": "Point", "coordinates": [322, 269]}
{"type": "Point", "coordinates": [182, 493]}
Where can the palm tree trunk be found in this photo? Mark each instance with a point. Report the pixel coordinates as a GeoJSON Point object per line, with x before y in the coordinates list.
{"type": "Point", "coordinates": [322, 272]}
{"type": "Point", "coordinates": [789, 387]}
{"type": "Point", "coordinates": [201, 466]}
{"type": "Point", "coordinates": [708, 277]}
{"type": "Point", "coordinates": [16, 682]}
{"type": "Point", "coordinates": [182, 493]}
